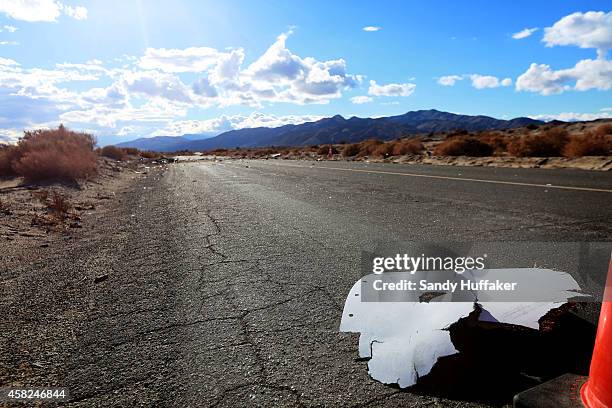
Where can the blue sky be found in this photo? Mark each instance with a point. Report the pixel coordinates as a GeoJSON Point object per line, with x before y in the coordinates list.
{"type": "Point", "coordinates": [127, 69]}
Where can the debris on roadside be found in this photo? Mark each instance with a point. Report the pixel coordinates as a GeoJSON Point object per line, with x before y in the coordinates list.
{"type": "Point", "coordinates": [404, 340]}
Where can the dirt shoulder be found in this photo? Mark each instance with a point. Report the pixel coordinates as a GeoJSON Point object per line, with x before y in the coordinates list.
{"type": "Point", "coordinates": [38, 219]}
{"type": "Point", "coordinates": [602, 163]}
{"type": "Point", "coordinates": [48, 271]}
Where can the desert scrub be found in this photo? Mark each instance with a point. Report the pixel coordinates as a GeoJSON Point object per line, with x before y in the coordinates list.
{"type": "Point", "coordinates": [463, 146]}
{"type": "Point", "coordinates": [588, 144]}
{"type": "Point", "coordinates": [113, 152]}
{"type": "Point", "coordinates": [548, 143]}
{"type": "Point", "coordinates": [51, 154]}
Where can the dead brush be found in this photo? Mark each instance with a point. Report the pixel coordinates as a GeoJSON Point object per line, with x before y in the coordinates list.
{"type": "Point", "coordinates": [548, 143]}
{"type": "Point", "coordinates": [496, 140]}
{"type": "Point", "coordinates": [383, 150]}
{"type": "Point", "coordinates": [350, 150]}
{"type": "Point", "coordinates": [59, 205]}
{"type": "Point", "coordinates": [604, 130]}
{"type": "Point", "coordinates": [113, 152]}
{"type": "Point", "coordinates": [463, 146]}
{"type": "Point", "coordinates": [55, 154]}
{"type": "Point", "coordinates": [588, 144]}
{"type": "Point", "coordinates": [367, 147]}
{"type": "Point", "coordinates": [410, 146]}
{"type": "Point", "coordinates": [148, 154]}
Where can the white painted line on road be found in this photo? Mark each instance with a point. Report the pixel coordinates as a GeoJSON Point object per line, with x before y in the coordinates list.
{"type": "Point", "coordinates": [511, 183]}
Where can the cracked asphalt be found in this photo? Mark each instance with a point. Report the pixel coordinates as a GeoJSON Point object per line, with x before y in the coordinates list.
{"type": "Point", "coordinates": [226, 281]}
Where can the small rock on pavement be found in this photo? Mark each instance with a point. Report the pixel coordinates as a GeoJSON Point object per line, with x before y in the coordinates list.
{"type": "Point", "coordinates": [101, 278]}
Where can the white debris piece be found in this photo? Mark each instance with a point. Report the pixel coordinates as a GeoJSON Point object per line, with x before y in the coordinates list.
{"type": "Point", "coordinates": [553, 286]}
{"type": "Point", "coordinates": [403, 340]}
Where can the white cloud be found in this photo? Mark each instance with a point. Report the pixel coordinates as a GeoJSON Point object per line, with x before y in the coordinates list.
{"type": "Point", "coordinates": [192, 59]}
{"type": "Point", "coordinates": [154, 114]}
{"type": "Point", "coordinates": [225, 123]}
{"type": "Point", "coordinates": [7, 62]}
{"type": "Point", "coordinates": [157, 84]}
{"type": "Point", "coordinates": [31, 10]}
{"type": "Point", "coordinates": [592, 74]}
{"type": "Point", "coordinates": [9, 43]}
{"type": "Point", "coordinates": [279, 75]}
{"type": "Point", "coordinates": [8, 28]}
{"type": "Point", "coordinates": [586, 74]}
{"type": "Point", "coordinates": [592, 29]}
{"type": "Point", "coordinates": [143, 94]}
{"type": "Point", "coordinates": [40, 10]}
{"type": "Point", "coordinates": [449, 80]}
{"type": "Point", "coordinates": [204, 88]}
{"type": "Point", "coordinates": [585, 30]}
{"type": "Point", "coordinates": [390, 89]}
{"type": "Point", "coordinates": [277, 63]}
{"type": "Point", "coordinates": [372, 28]}
{"type": "Point", "coordinates": [227, 68]}
{"type": "Point", "coordinates": [78, 12]}
{"type": "Point", "coordinates": [488, 81]}
{"type": "Point", "coordinates": [9, 136]}
{"type": "Point", "coordinates": [358, 100]}
{"type": "Point", "coordinates": [524, 33]}
{"type": "Point", "coordinates": [574, 117]}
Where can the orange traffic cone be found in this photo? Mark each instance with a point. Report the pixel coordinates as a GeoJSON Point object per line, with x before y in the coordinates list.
{"type": "Point", "coordinates": [597, 391]}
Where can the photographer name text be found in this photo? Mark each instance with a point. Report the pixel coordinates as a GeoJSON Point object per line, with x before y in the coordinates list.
{"type": "Point", "coordinates": [445, 286]}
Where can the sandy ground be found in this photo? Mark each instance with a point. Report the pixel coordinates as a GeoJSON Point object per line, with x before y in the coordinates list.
{"type": "Point", "coordinates": [603, 163]}
{"type": "Point", "coordinates": [29, 229]}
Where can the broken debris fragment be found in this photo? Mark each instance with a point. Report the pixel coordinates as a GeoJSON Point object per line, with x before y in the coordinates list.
{"type": "Point", "coordinates": [403, 340]}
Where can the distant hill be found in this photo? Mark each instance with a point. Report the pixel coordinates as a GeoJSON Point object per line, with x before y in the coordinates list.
{"type": "Point", "coordinates": [164, 143]}
{"type": "Point", "coordinates": [334, 130]}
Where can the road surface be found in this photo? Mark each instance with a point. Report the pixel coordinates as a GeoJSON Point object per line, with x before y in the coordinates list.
{"type": "Point", "coordinates": [227, 280]}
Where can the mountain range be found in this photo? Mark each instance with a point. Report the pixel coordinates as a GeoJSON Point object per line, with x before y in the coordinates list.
{"type": "Point", "coordinates": [331, 130]}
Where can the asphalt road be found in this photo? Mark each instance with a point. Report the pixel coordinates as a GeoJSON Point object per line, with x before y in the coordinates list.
{"type": "Point", "coordinates": [227, 280]}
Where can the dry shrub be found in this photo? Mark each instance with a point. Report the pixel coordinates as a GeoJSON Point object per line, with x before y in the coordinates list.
{"type": "Point", "coordinates": [604, 130]}
{"type": "Point", "coordinates": [411, 146]}
{"type": "Point", "coordinates": [322, 150]}
{"type": "Point", "coordinates": [463, 146]}
{"type": "Point", "coordinates": [8, 155]}
{"type": "Point", "coordinates": [498, 142]}
{"type": "Point", "coordinates": [113, 152]}
{"type": "Point", "coordinates": [548, 143]}
{"type": "Point", "coordinates": [55, 154]}
{"type": "Point", "coordinates": [367, 147]}
{"type": "Point", "coordinates": [350, 150]}
{"type": "Point", "coordinates": [267, 151]}
{"type": "Point", "coordinates": [588, 144]}
{"type": "Point", "coordinates": [59, 205]}
{"type": "Point", "coordinates": [383, 150]}
{"type": "Point", "coordinates": [132, 151]}
{"type": "Point", "coordinates": [148, 154]}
